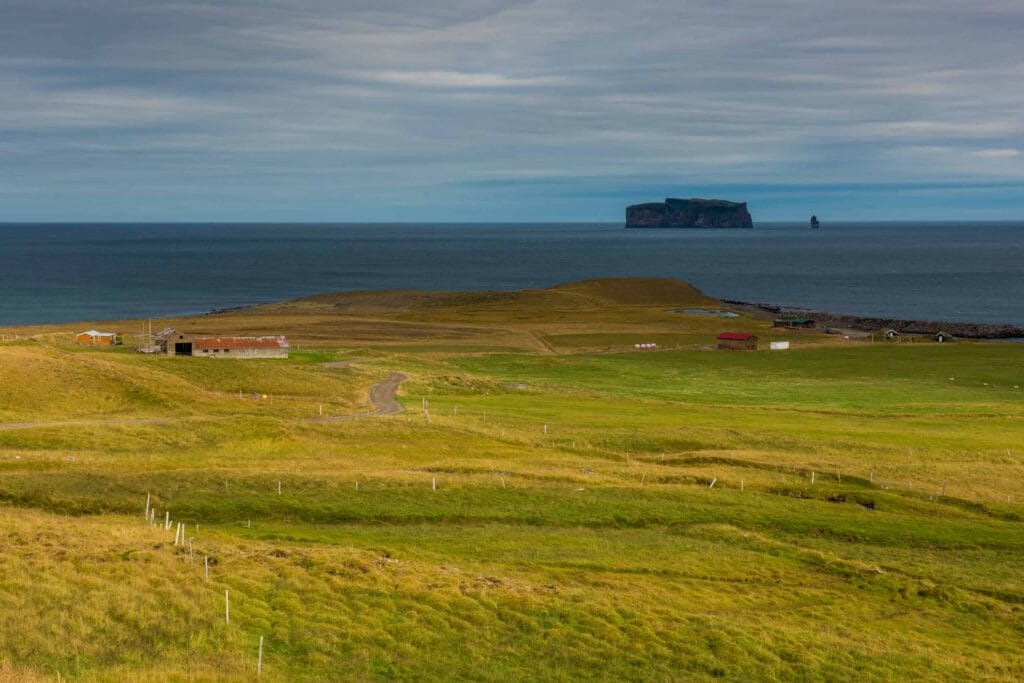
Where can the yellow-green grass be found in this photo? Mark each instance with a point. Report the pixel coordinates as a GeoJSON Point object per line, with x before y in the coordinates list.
{"type": "Point", "coordinates": [540, 511]}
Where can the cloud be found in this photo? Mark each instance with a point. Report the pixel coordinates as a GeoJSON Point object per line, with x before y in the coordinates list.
{"type": "Point", "coordinates": [458, 79]}
{"type": "Point", "coordinates": [344, 103]}
{"type": "Point", "coordinates": [937, 129]}
{"type": "Point", "coordinates": [1006, 153]}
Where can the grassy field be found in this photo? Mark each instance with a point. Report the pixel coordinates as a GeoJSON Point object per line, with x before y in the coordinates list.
{"type": "Point", "coordinates": [552, 504]}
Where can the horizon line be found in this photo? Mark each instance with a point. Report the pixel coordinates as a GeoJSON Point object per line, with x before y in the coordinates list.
{"type": "Point", "coordinates": [832, 221]}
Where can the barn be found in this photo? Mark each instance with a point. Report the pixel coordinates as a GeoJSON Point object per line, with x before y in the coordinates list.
{"type": "Point", "coordinates": [737, 341]}
{"type": "Point", "coordinates": [240, 347]}
{"type": "Point", "coordinates": [94, 338]}
{"type": "Point", "coordinates": [174, 343]}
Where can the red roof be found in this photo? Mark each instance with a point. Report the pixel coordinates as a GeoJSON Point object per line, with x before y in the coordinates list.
{"type": "Point", "coordinates": [735, 336]}
{"type": "Point", "coordinates": [241, 343]}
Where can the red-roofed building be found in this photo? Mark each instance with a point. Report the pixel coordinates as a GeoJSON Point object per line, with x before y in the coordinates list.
{"type": "Point", "coordinates": [737, 341]}
{"type": "Point", "coordinates": [227, 347]}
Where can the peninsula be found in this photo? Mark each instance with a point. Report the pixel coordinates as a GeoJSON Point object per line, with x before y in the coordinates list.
{"type": "Point", "coordinates": [689, 213]}
{"type": "Point", "coordinates": [583, 457]}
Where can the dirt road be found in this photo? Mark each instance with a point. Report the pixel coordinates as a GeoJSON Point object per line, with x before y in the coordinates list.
{"type": "Point", "coordinates": [382, 395]}
{"type": "Point", "coordinates": [382, 398]}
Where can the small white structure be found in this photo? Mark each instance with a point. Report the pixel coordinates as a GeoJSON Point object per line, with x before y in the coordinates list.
{"type": "Point", "coordinates": [779, 346]}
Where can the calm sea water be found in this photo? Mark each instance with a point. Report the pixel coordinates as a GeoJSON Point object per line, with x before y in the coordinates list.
{"type": "Point", "coordinates": [943, 271]}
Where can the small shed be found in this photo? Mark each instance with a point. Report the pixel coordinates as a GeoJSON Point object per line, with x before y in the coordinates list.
{"type": "Point", "coordinates": [794, 323]}
{"type": "Point", "coordinates": [95, 338]}
{"type": "Point", "coordinates": [892, 334]}
{"type": "Point", "coordinates": [942, 337]}
{"type": "Point", "coordinates": [737, 341]}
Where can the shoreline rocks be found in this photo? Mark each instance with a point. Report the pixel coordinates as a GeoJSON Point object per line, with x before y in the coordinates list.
{"type": "Point", "coordinates": [964, 330]}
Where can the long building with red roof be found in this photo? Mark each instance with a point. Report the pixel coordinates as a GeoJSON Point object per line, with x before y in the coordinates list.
{"type": "Point", "coordinates": [175, 343]}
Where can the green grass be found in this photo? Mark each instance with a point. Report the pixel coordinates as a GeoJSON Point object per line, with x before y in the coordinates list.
{"type": "Point", "coordinates": [596, 550]}
{"type": "Point", "coordinates": [877, 377]}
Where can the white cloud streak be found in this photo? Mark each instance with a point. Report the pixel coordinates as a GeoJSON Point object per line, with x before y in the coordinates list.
{"type": "Point", "coordinates": [457, 79]}
{"type": "Point", "coordinates": [1006, 153]}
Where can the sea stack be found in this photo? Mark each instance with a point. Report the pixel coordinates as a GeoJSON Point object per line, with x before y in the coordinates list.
{"type": "Point", "coordinates": [814, 223]}
{"type": "Point", "coordinates": [689, 213]}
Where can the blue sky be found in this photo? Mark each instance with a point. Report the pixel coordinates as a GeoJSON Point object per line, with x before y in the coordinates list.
{"type": "Point", "coordinates": [509, 110]}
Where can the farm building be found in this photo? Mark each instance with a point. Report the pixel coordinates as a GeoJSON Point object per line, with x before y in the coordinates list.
{"type": "Point", "coordinates": [241, 347]}
{"type": "Point", "coordinates": [174, 343]}
{"type": "Point", "coordinates": [94, 338]}
{"type": "Point", "coordinates": [737, 341]}
{"type": "Point", "coordinates": [165, 339]}
{"type": "Point", "coordinates": [794, 323]}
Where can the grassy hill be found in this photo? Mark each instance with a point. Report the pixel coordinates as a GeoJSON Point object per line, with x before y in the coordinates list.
{"type": "Point", "coordinates": [553, 504]}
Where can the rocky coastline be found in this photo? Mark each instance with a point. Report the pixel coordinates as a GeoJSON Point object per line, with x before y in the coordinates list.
{"type": "Point", "coordinates": [963, 330]}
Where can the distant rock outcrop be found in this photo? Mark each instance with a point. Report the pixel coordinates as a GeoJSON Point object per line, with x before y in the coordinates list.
{"type": "Point", "coordinates": [689, 213]}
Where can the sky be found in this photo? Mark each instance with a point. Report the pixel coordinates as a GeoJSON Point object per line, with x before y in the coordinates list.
{"type": "Point", "coordinates": [509, 110]}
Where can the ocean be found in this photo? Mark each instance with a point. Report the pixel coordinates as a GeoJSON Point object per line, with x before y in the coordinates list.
{"type": "Point", "coordinates": [956, 271]}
